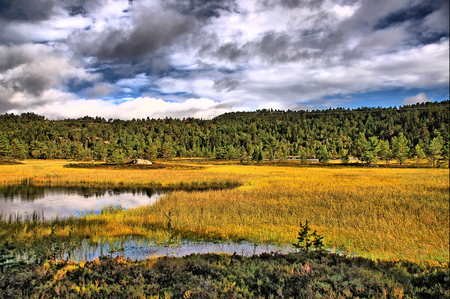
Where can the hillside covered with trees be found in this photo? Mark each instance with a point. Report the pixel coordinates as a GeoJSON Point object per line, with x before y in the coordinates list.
{"type": "Point", "coordinates": [369, 134]}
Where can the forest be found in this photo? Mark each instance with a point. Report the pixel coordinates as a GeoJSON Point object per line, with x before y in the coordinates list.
{"type": "Point", "coordinates": [369, 134]}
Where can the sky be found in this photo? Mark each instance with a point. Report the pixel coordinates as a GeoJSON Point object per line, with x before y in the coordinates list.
{"type": "Point", "coordinates": [202, 58]}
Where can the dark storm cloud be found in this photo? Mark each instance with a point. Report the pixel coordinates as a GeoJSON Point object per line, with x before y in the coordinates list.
{"type": "Point", "coordinates": [151, 30]}
{"type": "Point", "coordinates": [15, 56]}
{"type": "Point", "coordinates": [40, 10]}
{"type": "Point", "coordinates": [292, 3]}
{"type": "Point", "coordinates": [225, 84]}
{"type": "Point", "coordinates": [29, 72]}
{"type": "Point", "coordinates": [203, 9]}
{"type": "Point", "coordinates": [276, 47]}
{"type": "Point", "coordinates": [25, 10]}
{"type": "Point", "coordinates": [23, 59]}
{"type": "Point", "coordinates": [231, 52]}
{"type": "Point", "coordinates": [147, 37]}
{"type": "Point", "coordinates": [279, 48]}
{"type": "Point", "coordinates": [273, 44]}
{"type": "Point", "coordinates": [412, 14]}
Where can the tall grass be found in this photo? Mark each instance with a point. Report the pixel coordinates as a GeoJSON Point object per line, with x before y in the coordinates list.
{"type": "Point", "coordinates": [377, 213]}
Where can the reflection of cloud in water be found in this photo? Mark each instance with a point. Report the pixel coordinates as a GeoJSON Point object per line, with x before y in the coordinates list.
{"type": "Point", "coordinates": [63, 202]}
{"type": "Point", "coordinates": [138, 248]}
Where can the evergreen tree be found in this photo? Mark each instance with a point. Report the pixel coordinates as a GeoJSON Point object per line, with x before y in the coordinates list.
{"type": "Point", "coordinates": [5, 147]}
{"type": "Point", "coordinates": [18, 150]}
{"type": "Point", "coordinates": [165, 151]}
{"type": "Point", "coordinates": [100, 151]}
{"type": "Point", "coordinates": [418, 153]}
{"type": "Point", "coordinates": [322, 154]}
{"type": "Point", "coordinates": [446, 151]}
{"type": "Point", "coordinates": [76, 150]}
{"type": "Point", "coordinates": [151, 151]}
{"type": "Point", "coordinates": [434, 149]}
{"type": "Point", "coordinates": [271, 144]}
{"type": "Point", "coordinates": [373, 147]}
{"type": "Point", "coordinates": [302, 154]}
{"type": "Point", "coordinates": [345, 157]}
{"type": "Point", "coordinates": [258, 155]}
{"type": "Point", "coordinates": [361, 147]}
{"type": "Point", "coordinates": [35, 149]}
{"type": "Point", "coordinates": [400, 148]}
{"type": "Point", "coordinates": [242, 154]}
{"type": "Point", "coordinates": [118, 157]}
{"type": "Point", "coordinates": [232, 152]}
{"type": "Point", "coordinates": [385, 151]}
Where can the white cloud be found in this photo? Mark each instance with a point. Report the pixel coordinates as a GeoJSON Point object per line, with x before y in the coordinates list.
{"type": "Point", "coordinates": [142, 107]}
{"type": "Point", "coordinates": [420, 98]}
{"type": "Point", "coordinates": [173, 85]}
{"type": "Point", "coordinates": [140, 80]}
{"type": "Point", "coordinates": [100, 90]}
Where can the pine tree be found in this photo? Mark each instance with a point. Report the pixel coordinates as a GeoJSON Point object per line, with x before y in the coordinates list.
{"type": "Point", "coordinates": [151, 151]}
{"type": "Point", "coordinates": [385, 151]}
{"type": "Point", "coordinates": [434, 149]}
{"type": "Point", "coordinates": [18, 150]}
{"type": "Point", "coordinates": [345, 157]}
{"type": "Point", "coordinates": [371, 153]}
{"type": "Point", "coordinates": [400, 148]}
{"type": "Point", "coordinates": [100, 151]}
{"type": "Point", "coordinates": [306, 239]}
{"type": "Point", "coordinates": [302, 154]}
{"type": "Point", "coordinates": [322, 154]}
{"type": "Point", "coordinates": [118, 157]}
{"type": "Point", "coordinates": [5, 147]}
{"type": "Point", "coordinates": [361, 146]}
{"type": "Point", "coordinates": [418, 153]}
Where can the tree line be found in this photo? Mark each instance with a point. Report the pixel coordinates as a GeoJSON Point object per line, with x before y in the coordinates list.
{"type": "Point", "coordinates": [369, 134]}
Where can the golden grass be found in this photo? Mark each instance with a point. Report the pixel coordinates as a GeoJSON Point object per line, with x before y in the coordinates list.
{"type": "Point", "coordinates": [378, 213]}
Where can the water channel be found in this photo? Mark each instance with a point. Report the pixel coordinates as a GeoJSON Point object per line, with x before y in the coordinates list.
{"type": "Point", "coordinates": [140, 248]}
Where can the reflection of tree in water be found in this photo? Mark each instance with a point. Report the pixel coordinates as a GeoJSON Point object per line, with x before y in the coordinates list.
{"type": "Point", "coordinates": [24, 192]}
{"type": "Point", "coordinates": [31, 193]}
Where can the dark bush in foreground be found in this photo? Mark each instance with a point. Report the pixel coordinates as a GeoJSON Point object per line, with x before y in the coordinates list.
{"type": "Point", "coordinates": [314, 275]}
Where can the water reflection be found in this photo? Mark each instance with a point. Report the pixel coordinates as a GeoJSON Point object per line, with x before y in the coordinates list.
{"type": "Point", "coordinates": [140, 248]}
{"type": "Point", "coordinates": [66, 201]}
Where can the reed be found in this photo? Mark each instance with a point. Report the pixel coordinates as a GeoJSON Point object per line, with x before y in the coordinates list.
{"type": "Point", "coordinates": [377, 213]}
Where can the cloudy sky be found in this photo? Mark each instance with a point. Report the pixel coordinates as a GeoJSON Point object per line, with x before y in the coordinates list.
{"type": "Point", "coordinates": [200, 58]}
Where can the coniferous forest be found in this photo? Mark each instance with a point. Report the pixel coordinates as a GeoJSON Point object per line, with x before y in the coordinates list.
{"type": "Point", "coordinates": [369, 134]}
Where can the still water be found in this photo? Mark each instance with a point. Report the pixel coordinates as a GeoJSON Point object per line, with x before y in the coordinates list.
{"type": "Point", "coordinates": [63, 202]}
{"type": "Point", "coordinates": [139, 248]}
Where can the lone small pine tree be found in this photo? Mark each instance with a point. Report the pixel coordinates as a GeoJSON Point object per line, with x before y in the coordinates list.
{"type": "Point", "coordinates": [306, 239]}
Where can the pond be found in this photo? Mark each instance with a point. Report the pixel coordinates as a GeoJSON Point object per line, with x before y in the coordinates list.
{"type": "Point", "coordinates": [140, 248]}
{"type": "Point", "coordinates": [63, 202]}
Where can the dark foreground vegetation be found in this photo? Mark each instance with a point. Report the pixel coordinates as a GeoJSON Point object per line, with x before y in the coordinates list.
{"type": "Point", "coordinates": [270, 275]}
{"type": "Point", "coordinates": [369, 134]}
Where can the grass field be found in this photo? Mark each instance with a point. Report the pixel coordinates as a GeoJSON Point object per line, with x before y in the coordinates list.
{"type": "Point", "coordinates": [376, 212]}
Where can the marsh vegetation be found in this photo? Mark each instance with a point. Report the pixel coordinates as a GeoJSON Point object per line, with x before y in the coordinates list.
{"type": "Point", "coordinates": [378, 213]}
